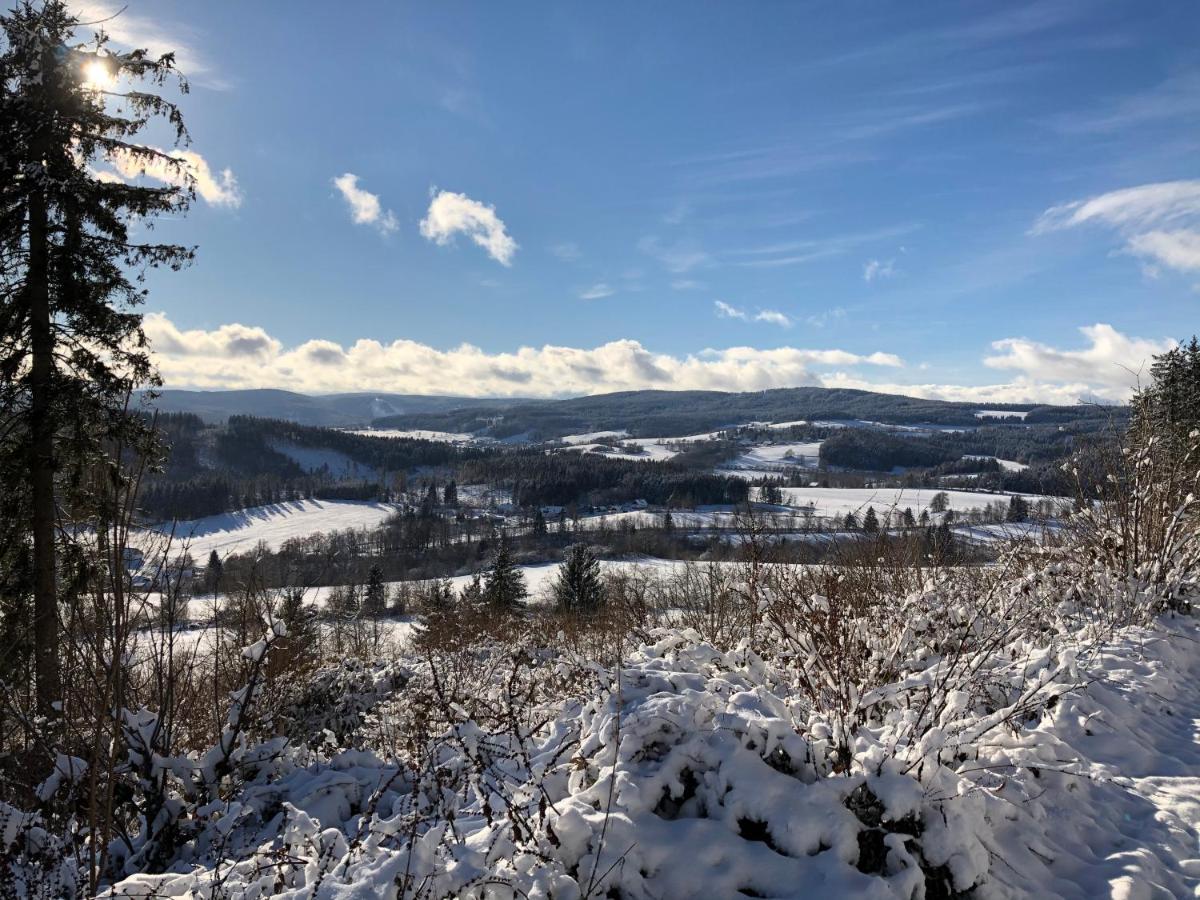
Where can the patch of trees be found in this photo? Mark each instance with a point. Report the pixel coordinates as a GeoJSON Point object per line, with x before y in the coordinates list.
{"type": "Point", "coordinates": [878, 451]}
{"type": "Point", "coordinates": [537, 478]}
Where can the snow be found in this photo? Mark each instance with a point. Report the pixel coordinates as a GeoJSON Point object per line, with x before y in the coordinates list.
{"type": "Point", "coordinates": [1007, 465]}
{"type": "Point", "coordinates": [448, 437]}
{"type": "Point", "coordinates": [774, 459]}
{"type": "Point", "coordinates": [696, 772]}
{"type": "Point", "coordinates": [237, 532]}
{"type": "Point", "coordinates": [650, 452]}
{"type": "Point", "coordinates": [592, 436]}
{"type": "Point", "coordinates": [312, 459]}
{"type": "Point", "coordinates": [832, 502]}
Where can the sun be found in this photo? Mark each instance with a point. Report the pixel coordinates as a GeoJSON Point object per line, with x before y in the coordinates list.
{"type": "Point", "coordinates": [97, 77]}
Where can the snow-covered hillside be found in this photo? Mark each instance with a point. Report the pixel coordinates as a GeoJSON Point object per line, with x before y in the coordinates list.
{"type": "Point", "coordinates": [236, 532]}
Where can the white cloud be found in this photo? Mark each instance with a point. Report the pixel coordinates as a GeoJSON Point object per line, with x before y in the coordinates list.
{"type": "Point", "coordinates": [215, 188]}
{"type": "Point", "coordinates": [1109, 366]}
{"type": "Point", "coordinates": [242, 356]}
{"type": "Point", "coordinates": [1174, 249]}
{"type": "Point", "coordinates": [450, 213]}
{"type": "Point", "coordinates": [597, 292]}
{"type": "Point", "coordinates": [726, 311]}
{"type": "Point", "coordinates": [774, 317]}
{"type": "Point", "coordinates": [365, 207]}
{"type": "Point", "coordinates": [875, 269]}
{"type": "Point", "coordinates": [1159, 222]}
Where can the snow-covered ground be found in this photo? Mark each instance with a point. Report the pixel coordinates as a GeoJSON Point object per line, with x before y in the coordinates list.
{"type": "Point", "coordinates": [774, 459]}
{"type": "Point", "coordinates": [648, 452]}
{"type": "Point", "coordinates": [312, 459]}
{"type": "Point", "coordinates": [236, 532]}
{"type": "Point", "coordinates": [830, 502]}
{"type": "Point", "coordinates": [1008, 465]}
{"type": "Point", "coordinates": [448, 437]}
{"type": "Point", "coordinates": [697, 779]}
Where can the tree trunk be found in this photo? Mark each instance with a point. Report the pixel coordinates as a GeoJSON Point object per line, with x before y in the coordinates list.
{"type": "Point", "coordinates": [41, 459]}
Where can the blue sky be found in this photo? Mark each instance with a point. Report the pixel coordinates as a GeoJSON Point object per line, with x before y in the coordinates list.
{"type": "Point", "coordinates": [933, 198]}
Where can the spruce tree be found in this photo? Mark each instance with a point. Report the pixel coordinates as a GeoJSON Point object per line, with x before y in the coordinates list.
{"type": "Point", "coordinates": [213, 572]}
{"type": "Point", "coordinates": [504, 585]}
{"type": "Point", "coordinates": [71, 346]}
{"type": "Point", "coordinates": [871, 521]}
{"type": "Point", "coordinates": [1018, 509]}
{"type": "Point", "coordinates": [375, 596]}
{"type": "Point", "coordinates": [578, 587]}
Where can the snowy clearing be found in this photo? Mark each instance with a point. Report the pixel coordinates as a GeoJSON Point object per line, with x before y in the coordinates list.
{"type": "Point", "coordinates": [236, 532]}
{"type": "Point", "coordinates": [831, 502]}
{"type": "Point", "coordinates": [447, 437]}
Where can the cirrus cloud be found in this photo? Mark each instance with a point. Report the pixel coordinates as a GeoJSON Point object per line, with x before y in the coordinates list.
{"type": "Point", "coordinates": [1158, 222]}
{"type": "Point", "coordinates": [450, 214]}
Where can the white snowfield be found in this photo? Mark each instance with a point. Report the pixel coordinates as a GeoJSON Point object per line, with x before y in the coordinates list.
{"type": "Point", "coordinates": [831, 502]}
{"type": "Point", "coordinates": [1008, 465]}
{"type": "Point", "coordinates": [647, 452]}
{"type": "Point", "coordinates": [773, 459]}
{"type": "Point", "coordinates": [237, 532]}
{"type": "Point", "coordinates": [448, 437]}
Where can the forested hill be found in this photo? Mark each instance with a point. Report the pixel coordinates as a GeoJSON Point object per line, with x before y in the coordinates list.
{"type": "Point", "coordinates": [656, 413]}
{"type": "Point", "coordinates": [327, 410]}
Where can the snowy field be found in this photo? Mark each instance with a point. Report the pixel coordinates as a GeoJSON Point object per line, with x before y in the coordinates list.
{"type": "Point", "coordinates": [447, 437]}
{"type": "Point", "coordinates": [773, 459]}
{"type": "Point", "coordinates": [236, 532]}
{"type": "Point", "coordinates": [1008, 465]}
{"type": "Point", "coordinates": [830, 502]}
{"type": "Point", "coordinates": [649, 452]}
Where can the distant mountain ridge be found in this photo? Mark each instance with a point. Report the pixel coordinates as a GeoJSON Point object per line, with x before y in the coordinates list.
{"type": "Point", "coordinates": [327, 410]}
{"type": "Point", "coordinates": [662, 413]}
{"type": "Point", "coordinates": [641, 413]}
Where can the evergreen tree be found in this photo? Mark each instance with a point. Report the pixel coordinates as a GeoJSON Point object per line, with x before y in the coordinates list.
{"type": "Point", "coordinates": [539, 523]}
{"type": "Point", "coordinates": [1018, 509]}
{"type": "Point", "coordinates": [668, 522]}
{"type": "Point", "coordinates": [579, 587]}
{"type": "Point", "coordinates": [71, 346]}
{"type": "Point", "coordinates": [940, 502]}
{"type": "Point", "coordinates": [450, 494]}
{"type": "Point", "coordinates": [909, 521]}
{"type": "Point", "coordinates": [375, 596]}
{"type": "Point", "coordinates": [472, 592]}
{"type": "Point", "coordinates": [299, 619]}
{"type": "Point", "coordinates": [213, 572]}
{"type": "Point", "coordinates": [504, 585]}
{"type": "Point", "coordinates": [850, 523]}
{"type": "Point", "coordinates": [871, 521]}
